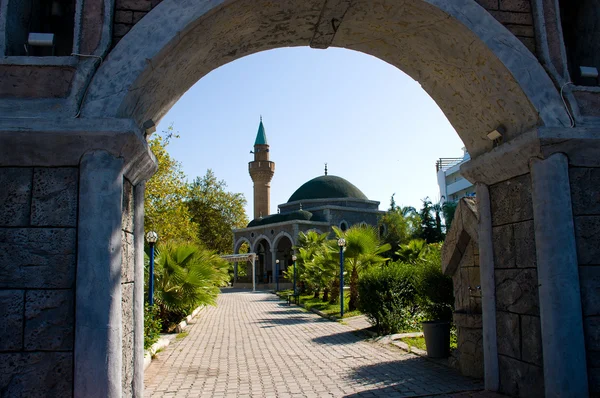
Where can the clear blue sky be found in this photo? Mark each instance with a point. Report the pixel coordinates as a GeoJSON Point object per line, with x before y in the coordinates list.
{"type": "Point", "coordinates": [371, 123]}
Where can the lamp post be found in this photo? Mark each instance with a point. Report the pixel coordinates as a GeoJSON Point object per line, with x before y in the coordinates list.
{"type": "Point", "coordinates": [276, 275]}
{"type": "Point", "coordinates": [341, 243]}
{"type": "Point", "coordinates": [294, 258]}
{"type": "Point", "coordinates": [151, 237]}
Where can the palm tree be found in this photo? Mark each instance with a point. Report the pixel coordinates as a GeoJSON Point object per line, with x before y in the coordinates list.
{"type": "Point", "coordinates": [186, 276]}
{"type": "Point", "coordinates": [309, 245]}
{"type": "Point", "coordinates": [363, 250]}
{"type": "Point", "coordinates": [413, 251]}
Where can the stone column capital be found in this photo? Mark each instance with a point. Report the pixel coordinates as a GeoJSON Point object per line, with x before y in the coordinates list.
{"type": "Point", "coordinates": [511, 159]}
{"type": "Point", "coordinates": [64, 142]}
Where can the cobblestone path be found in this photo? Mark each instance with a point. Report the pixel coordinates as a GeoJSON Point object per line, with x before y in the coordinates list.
{"type": "Point", "coordinates": [253, 345]}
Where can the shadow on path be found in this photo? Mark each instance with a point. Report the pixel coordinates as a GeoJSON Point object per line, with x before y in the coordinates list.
{"type": "Point", "coordinates": [393, 375]}
{"type": "Point", "coordinates": [294, 320]}
{"type": "Point", "coordinates": [343, 338]}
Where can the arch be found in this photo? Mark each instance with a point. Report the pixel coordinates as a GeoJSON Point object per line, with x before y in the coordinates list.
{"type": "Point", "coordinates": [239, 243]}
{"type": "Point", "coordinates": [478, 73]}
{"type": "Point", "coordinates": [281, 235]}
{"type": "Point", "coordinates": [257, 241]}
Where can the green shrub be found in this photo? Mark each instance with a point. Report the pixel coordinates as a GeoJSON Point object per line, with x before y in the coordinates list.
{"type": "Point", "coordinates": [152, 326]}
{"type": "Point", "coordinates": [388, 297]}
{"type": "Point", "coordinates": [435, 289]}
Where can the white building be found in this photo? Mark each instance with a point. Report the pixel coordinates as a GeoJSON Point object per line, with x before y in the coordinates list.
{"type": "Point", "coordinates": [453, 185]}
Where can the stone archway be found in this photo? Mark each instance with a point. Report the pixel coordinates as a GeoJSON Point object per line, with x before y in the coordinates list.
{"type": "Point", "coordinates": [533, 187]}
{"type": "Point", "coordinates": [479, 74]}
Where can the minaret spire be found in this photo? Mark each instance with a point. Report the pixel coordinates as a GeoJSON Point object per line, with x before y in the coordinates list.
{"type": "Point", "coordinates": [261, 171]}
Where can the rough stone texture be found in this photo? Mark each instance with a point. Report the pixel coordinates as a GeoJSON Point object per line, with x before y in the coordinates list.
{"type": "Point", "coordinates": [524, 235]}
{"type": "Point", "coordinates": [39, 374]}
{"type": "Point", "coordinates": [30, 81]}
{"type": "Point", "coordinates": [128, 209]}
{"type": "Point", "coordinates": [585, 190]}
{"type": "Point", "coordinates": [589, 103]}
{"type": "Point", "coordinates": [470, 352]}
{"type": "Point", "coordinates": [508, 327]}
{"type": "Point", "coordinates": [49, 320]}
{"type": "Point", "coordinates": [504, 246]}
{"type": "Point", "coordinates": [520, 379]}
{"type": "Point", "coordinates": [591, 326]}
{"type": "Point", "coordinates": [516, 291]}
{"type": "Point", "coordinates": [127, 316]}
{"type": "Point", "coordinates": [11, 314]}
{"type": "Point", "coordinates": [587, 235]}
{"type": "Point", "coordinates": [128, 264]}
{"type": "Point", "coordinates": [531, 338]}
{"type": "Point", "coordinates": [589, 279]}
{"type": "Point", "coordinates": [91, 26]}
{"type": "Point", "coordinates": [461, 246]}
{"type": "Point", "coordinates": [54, 201]}
{"type": "Point", "coordinates": [15, 196]}
{"type": "Point", "coordinates": [511, 201]}
{"type": "Point", "coordinates": [37, 257]}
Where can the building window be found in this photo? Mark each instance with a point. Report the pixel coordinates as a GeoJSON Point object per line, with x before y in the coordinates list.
{"type": "Point", "coordinates": [56, 17]}
{"type": "Point", "coordinates": [580, 32]}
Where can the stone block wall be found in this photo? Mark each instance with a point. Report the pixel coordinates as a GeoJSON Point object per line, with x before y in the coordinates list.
{"type": "Point", "coordinates": [468, 358]}
{"type": "Point", "coordinates": [127, 284]}
{"type": "Point", "coordinates": [585, 195]}
{"type": "Point", "coordinates": [38, 221]}
{"type": "Point", "coordinates": [517, 301]}
{"type": "Point", "coordinates": [516, 16]}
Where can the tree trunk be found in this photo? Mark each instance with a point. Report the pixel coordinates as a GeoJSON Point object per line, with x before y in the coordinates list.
{"type": "Point", "coordinates": [353, 304]}
{"type": "Point", "coordinates": [335, 291]}
{"type": "Point", "coordinates": [326, 294]}
{"type": "Point", "coordinates": [317, 293]}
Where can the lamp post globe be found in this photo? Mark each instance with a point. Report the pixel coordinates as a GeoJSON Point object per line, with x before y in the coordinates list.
{"type": "Point", "coordinates": [151, 238]}
{"type": "Point", "coordinates": [341, 243]}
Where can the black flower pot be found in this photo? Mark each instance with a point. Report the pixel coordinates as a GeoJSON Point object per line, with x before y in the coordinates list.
{"type": "Point", "coordinates": [437, 338]}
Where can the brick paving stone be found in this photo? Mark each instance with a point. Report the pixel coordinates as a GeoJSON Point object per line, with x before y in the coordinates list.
{"type": "Point", "coordinates": [253, 345]}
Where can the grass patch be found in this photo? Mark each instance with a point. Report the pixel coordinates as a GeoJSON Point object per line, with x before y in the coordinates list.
{"type": "Point", "coordinates": [417, 342]}
{"type": "Point", "coordinates": [309, 302]}
{"type": "Point", "coordinates": [181, 335]}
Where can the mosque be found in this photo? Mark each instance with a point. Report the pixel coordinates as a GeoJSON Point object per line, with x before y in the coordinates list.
{"type": "Point", "coordinates": [318, 204]}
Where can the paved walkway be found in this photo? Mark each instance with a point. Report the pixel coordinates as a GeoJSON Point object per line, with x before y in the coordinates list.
{"type": "Point", "coordinates": [253, 345]}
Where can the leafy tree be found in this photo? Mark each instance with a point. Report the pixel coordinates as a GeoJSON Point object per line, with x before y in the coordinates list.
{"type": "Point", "coordinates": [448, 209]}
{"type": "Point", "coordinates": [186, 276]}
{"type": "Point", "coordinates": [215, 212]}
{"type": "Point", "coordinates": [165, 208]}
{"type": "Point", "coordinates": [363, 250]}
{"type": "Point", "coordinates": [399, 225]}
{"type": "Point", "coordinates": [431, 225]}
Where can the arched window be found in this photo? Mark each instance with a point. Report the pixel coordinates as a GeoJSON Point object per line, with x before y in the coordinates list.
{"type": "Point", "coordinates": [343, 226]}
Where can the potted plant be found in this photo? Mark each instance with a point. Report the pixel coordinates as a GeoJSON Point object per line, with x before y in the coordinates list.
{"type": "Point", "coordinates": [437, 299]}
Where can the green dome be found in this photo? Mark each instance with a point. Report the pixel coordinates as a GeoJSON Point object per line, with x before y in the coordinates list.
{"type": "Point", "coordinates": [327, 187]}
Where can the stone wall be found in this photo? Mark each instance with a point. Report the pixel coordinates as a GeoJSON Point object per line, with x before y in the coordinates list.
{"type": "Point", "coordinates": [127, 284]}
{"type": "Point", "coordinates": [38, 220]}
{"type": "Point", "coordinates": [460, 259]}
{"type": "Point", "coordinates": [517, 302]}
{"type": "Point", "coordinates": [516, 15]}
{"type": "Point", "coordinates": [585, 194]}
